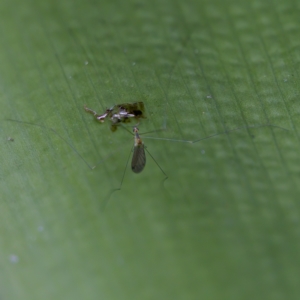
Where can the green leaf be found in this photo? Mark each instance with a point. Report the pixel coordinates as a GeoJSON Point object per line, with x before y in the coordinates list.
{"type": "Point", "coordinates": [224, 225]}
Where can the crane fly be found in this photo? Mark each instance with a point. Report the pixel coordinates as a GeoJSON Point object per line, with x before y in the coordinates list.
{"type": "Point", "coordinates": [138, 160]}
{"type": "Point", "coordinates": [123, 113]}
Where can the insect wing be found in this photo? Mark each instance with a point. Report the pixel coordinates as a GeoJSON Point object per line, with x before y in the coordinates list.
{"type": "Point", "coordinates": [138, 161]}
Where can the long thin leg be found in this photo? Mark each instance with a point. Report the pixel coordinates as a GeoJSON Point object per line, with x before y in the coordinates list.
{"type": "Point", "coordinates": [54, 131]}
{"type": "Point", "coordinates": [124, 170]}
{"type": "Point", "coordinates": [214, 135]}
{"type": "Point", "coordinates": [69, 144]}
{"type": "Point", "coordinates": [157, 130]}
{"type": "Point", "coordinates": [119, 188]}
{"type": "Point", "coordinates": [166, 176]}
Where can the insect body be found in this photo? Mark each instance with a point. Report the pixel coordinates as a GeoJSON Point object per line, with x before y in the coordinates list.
{"type": "Point", "coordinates": [138, 161]}
{"type": "Point", "coordinates": [120, 113]}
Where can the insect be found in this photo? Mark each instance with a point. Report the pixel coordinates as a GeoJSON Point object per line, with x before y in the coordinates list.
{"type": "Point", "coordinates": [120, 113]}
{"type": "Point", "coordinates": [138, 161]}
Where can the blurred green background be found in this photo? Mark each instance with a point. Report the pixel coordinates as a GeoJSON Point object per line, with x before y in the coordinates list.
{"type": "Point", "coordinates": [225, 225]}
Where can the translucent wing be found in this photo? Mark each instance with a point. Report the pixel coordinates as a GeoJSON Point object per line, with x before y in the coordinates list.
{"type": "Point", "coordinates": [138, 161]}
